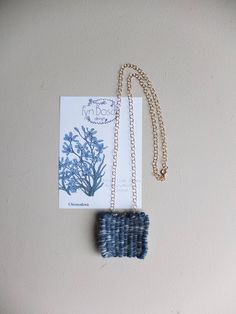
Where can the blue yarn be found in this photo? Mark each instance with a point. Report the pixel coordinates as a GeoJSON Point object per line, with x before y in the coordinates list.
{"type": "Point", "coordinates": [123, 234]}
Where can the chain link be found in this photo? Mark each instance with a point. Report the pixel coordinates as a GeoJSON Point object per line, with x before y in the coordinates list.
{"type": "Point", "coordinates": [158, 130]}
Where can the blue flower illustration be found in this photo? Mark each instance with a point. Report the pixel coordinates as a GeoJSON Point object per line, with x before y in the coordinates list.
{"type": "Point", "coordinates": [85, 169]}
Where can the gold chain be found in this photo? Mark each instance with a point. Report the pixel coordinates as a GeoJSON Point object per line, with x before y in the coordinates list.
{"type": "Point", "coordinates": [157, 124]}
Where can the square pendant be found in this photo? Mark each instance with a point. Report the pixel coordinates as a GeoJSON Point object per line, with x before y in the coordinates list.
{"type": "Point", "coordinates": [123, 234]}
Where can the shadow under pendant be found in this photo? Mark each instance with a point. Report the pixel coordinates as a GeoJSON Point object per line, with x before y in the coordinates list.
{"type": "Point", "coordinates": [123, 234]}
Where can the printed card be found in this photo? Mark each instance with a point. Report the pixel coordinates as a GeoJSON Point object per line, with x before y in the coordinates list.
{"type": "Point", "coordinates": [86, 152]}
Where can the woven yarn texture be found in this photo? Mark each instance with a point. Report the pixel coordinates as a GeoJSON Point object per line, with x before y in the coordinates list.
{"type": "Point", "coordinates": [123, 234]}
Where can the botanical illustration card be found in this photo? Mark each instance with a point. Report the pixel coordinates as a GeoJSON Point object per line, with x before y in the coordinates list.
{"type": "Point", "coordinates": [86, 152]}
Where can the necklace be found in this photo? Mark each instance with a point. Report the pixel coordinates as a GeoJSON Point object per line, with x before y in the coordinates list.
{"type": "Point", "coordinates": [125, 234]}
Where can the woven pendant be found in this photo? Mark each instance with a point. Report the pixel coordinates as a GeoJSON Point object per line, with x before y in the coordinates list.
{"type": "Point", "coordinates": [123, 234]}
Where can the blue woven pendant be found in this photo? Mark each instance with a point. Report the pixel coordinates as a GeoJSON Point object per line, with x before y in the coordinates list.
{"type": "Point", "coordinates": [123, 234]}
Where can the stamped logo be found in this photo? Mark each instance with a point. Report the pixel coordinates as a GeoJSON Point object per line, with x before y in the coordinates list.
{"type": "Point", "coordinates": [99, 110]}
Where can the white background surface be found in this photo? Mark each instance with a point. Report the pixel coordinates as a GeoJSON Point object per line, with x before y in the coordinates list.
{"type": "Point", "coordinates": [48, 261]}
